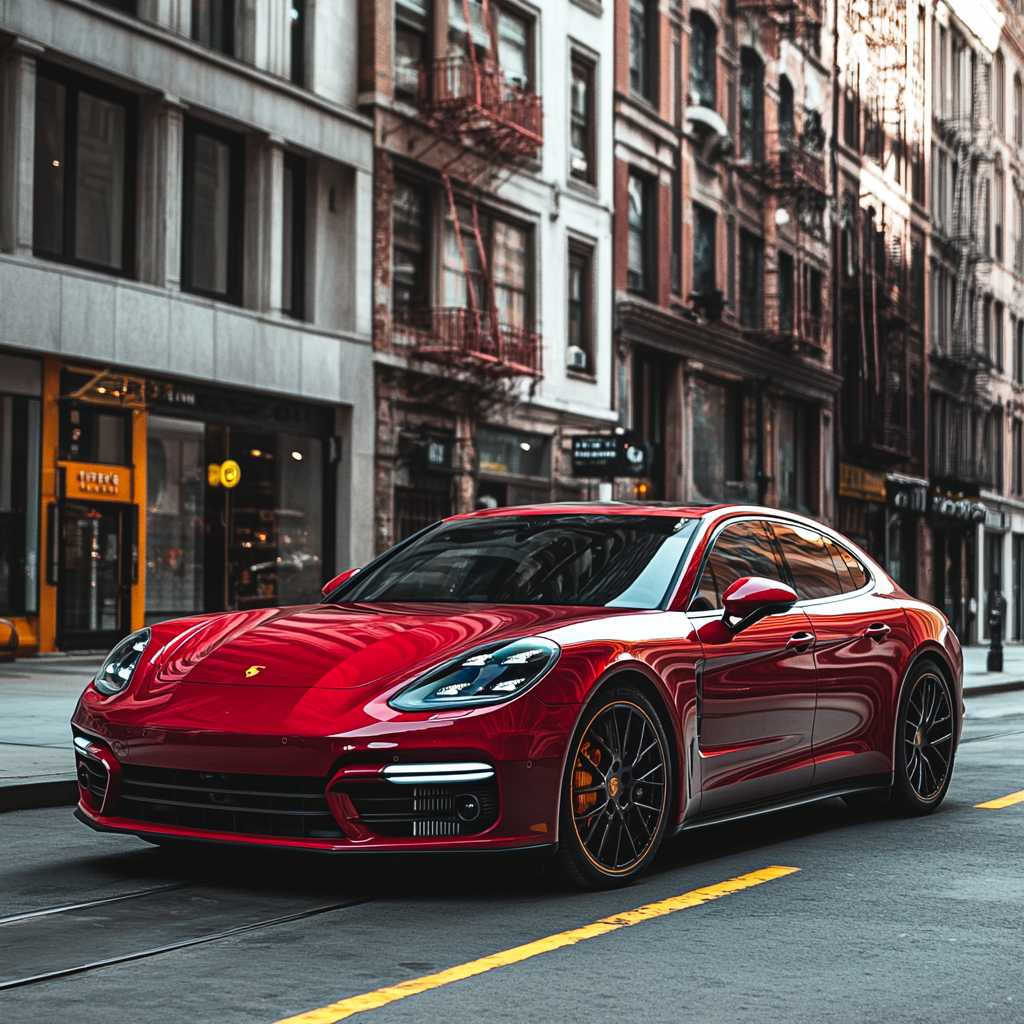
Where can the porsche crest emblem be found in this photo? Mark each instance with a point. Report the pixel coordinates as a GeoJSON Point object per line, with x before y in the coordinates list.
{"type": "Point", "coordinates": [613, 785]}
{"type": "Point", "coordinates": [254, 670]}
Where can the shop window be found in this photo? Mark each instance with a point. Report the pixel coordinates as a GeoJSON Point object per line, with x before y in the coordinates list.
{"type": "Point", "coordinates": [213, 210]}
{"type": "Point", "coordinates": [785, 289]}
{"type": "Point", "coordinates": [580, 353]}
{"type": "Point", "coordinates": [582, 149]}
{"type": "Point", "coordinates": [751, 280]}
{"type": "Point", "coordinates": [795, 451]}
{"type": "Point", "coordinates": [751, 107]}
{"type": "Point", "coordinates": [84, 175]}
{"type": "Point", "coordinates": [638, 276]}
{"type": "Point", "coordinates": [641, 47]}
{"type": "Point", "coordinates": [175, 512]}
{"type": "Point", "coordinates": [705, 226]}
{"type": "Point", "coordinates": [703, 61]}
{"type": "Point", "coordinates": [503, 451]}
{"type": "Point", "coordinates": [717, 434]}
{"type": "Point", "coordinates": [19, 504]}
{"type": "Point", "coordinates": [297, 13]}
{"type": "Point", "coordinates": [213, 24]}
{"type": "Point", "coordinates": [293, 240]}
{"type": "Point", "coordinates": [410, 248]}
{"type": "Point", "coordinates": [91, 433]}
{"type": "Point", "coordinates": [412, 35]}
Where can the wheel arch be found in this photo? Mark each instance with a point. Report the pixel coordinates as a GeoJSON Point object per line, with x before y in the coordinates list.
{"type": "Point", "coordinates": [929, 651]}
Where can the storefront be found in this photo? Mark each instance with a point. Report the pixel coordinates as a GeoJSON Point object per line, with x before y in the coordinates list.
{"type": "Point", "coordinates": [127, 500]}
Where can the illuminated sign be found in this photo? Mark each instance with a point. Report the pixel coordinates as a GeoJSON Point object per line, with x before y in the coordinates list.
{"type": "Point", "coordinates": [93, 481]}
{"type": "Point", "coordinates": [855, 482]}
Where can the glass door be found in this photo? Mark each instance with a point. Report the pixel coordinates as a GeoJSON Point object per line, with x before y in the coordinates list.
{"type": "Point", "coordinates": [94, 580]}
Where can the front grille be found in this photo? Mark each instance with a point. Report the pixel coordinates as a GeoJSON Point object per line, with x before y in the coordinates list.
{"type": "Point", "coordinates": [92, 777]}
{"type": "Point", "coordinates": [255, 805]}
{"type": "Point", "coordinates": [388, 809]}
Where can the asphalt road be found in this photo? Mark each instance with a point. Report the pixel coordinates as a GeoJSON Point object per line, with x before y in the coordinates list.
{"type": "Point", "coordinates": [885, 920]}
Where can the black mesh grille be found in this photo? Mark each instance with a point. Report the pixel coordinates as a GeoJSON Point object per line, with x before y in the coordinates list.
{"type": "Point", "coordinates": [258, 805]}
{"type": "Point", "coordinates": [92, 776]}
{"type": "Point", "coordinates": [464, 809]}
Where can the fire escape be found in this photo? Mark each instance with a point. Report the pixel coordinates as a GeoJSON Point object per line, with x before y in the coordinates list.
{"type": "Point", "coordinates": [493, 126]}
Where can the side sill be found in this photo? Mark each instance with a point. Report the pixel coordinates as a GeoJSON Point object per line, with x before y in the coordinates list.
{"type": "Point", "coordinates": [863, 784]}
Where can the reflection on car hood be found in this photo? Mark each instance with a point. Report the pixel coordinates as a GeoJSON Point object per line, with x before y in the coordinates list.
{"type": "Point", "coordinates": [341, 646]}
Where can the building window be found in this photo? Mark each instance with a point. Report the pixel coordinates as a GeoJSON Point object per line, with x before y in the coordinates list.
{"type": "Point", "coordinates": [986, 328]}
{"type": "Point", "coordinates": [751, 107]}
{"type": "Point", "coordinates": [639, 200]}
{"type": "Point", "coordinates": [787, 113]}
{"type": "Point", "coordinates": [514, 55]}
{"type": "Point", "coordinates": [409, 222]}
{"type": "Point", "coordinates": [84, 175]}
{"type": "Point", "coordinates": [851, 114]}
{"type": "Point", "coordinates": [751, 280]}
{"type": "Point", "coordinates": [999, 188]}
{"type": "Point", "coordinates": [213, 24]}
{"type": "Point", "coordinates": [704, 229]}
{"type": "Point", "coordinates": [1018, 111]}
{"type": "Point", "coordinates": [1018, 353]}
{"type": "Point", "coordinates": [794, 454]}
{"type": "Point", "coordinates": [785, 287]}
{"type": "Point", "coordinates": [298, 41]}
{"type": "Point", "coordinates": [128, 6]}
{"type": "Point", "coordinates": [999, 93]}
{"type": "Point", "coordinates": [997, 336]}
{"type": "Point", "coordinates": [580, 354]}
{"type": "Point", "coordinates": [703, 60]}
{"type": "Point", "coordinates": [1016, 454]}
{"type": "Point", "coordinates": [213, 208]}
{"type": "Point", "coordinates": [293, 256]}
{"type": "Point", "coordinates": [582, 162]}
{"type": "Point", "coordinates": [641, 46]}
{"type": "Point", "coordinates": [412, 21]}
{"type": "Point", "coordinates": [874, 131]}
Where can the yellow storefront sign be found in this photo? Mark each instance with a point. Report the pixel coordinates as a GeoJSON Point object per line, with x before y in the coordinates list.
{"type": "Point", "coordinates": [856, 482]}
{"type": "Point", "coordinates": [224, 474]}
{"type": "Point", "coordinates": [91, 481]}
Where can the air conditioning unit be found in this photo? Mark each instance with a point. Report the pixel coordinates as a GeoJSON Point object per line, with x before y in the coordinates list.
{"type": "Point", "coordinates": [576, 358]}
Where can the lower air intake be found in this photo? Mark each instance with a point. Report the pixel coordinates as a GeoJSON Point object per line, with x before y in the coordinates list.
{"type": "Point", "coordinates": [462, 809]}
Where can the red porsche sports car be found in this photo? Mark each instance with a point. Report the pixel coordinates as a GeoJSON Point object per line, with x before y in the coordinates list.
{"type": "Point", "coordinates": [577, 680]}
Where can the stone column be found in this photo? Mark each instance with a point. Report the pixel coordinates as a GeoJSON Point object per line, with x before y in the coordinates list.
{"type": "Point", "coordinates": [161, 135]}
{"type": "Point", "coordinates": [17, 155]}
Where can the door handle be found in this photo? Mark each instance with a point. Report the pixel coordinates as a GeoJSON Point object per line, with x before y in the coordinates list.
{"type": "Point", "coordinates": [878, 631]}
{"type": "Point", "coordinates": [800, 641]}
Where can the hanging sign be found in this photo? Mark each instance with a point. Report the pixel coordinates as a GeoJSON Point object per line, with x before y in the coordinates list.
{"type": "Point", "coordinates": [608, 455]}
{"type": "Point", "coordinates": [91, 481]}
{"type": "Point", "coordinates": [224, 474]}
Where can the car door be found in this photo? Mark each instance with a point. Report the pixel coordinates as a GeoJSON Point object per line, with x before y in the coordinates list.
{"type": "Point", "coordinates": [861, 648]}
{"type": "Point", "coordinates": [756, 687]}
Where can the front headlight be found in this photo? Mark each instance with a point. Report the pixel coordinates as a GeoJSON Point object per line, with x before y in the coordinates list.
{"type": "Point", "coordinates": [116, 672]}
{"type": "Point", "coordinates": [486, 675]}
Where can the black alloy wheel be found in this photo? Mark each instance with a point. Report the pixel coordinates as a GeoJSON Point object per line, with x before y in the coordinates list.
{"type": "Point", "coordinates": [616, 792]}
{"type": "Point", "coordinates": [925, 735]}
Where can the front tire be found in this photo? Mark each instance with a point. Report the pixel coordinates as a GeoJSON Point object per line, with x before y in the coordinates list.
{"type": "Point", "coordinates": [616, 792]}
{"type": "Point", "coordinates": [925, 730]}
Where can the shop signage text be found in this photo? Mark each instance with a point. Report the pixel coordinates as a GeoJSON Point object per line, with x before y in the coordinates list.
{"type": "Point", "coordinates": [91, 481]}
{"type": "Point", "coordinates": [608, 455]}
{"type": "Point", "coordinates": [855, 482]}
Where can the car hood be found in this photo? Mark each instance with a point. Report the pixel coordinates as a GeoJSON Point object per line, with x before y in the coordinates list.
{"type": "Point", "coordinates": [338, 647]}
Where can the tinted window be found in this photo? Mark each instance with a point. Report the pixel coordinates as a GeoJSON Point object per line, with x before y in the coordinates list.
{"type": "Point", "coordinates": [620, 561]}
{"type": "Point", "coordinates": [742, 549]}
{"type": "Point", "coordinates": [810, 564]}
{"type": "Point", "coordinates": [852, 574]}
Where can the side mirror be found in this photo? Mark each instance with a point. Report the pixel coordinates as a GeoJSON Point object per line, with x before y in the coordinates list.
{"type": "Point", "coordinates": [337, 581]}
{"type": "Point", "coordinates": [752, 598]}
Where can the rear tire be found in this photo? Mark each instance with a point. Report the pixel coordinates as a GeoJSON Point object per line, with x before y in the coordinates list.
{"type": "Point", "coordinates": [925, 730]}
{"type": "Point", "coordinates": [616, 792]}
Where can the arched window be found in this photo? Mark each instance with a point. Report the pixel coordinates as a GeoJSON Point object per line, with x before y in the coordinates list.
{"type": "Point", "coordinates": [703, 60]}
{"type": "Point", "coordinates": [751, 107]}
{"type": "Point", "coordinates": [787, 124]}
{"type": "Point", "coordinates": [999, 93]}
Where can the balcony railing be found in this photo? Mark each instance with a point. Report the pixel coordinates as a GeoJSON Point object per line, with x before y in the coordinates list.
{"type": "Point", "coordinates": [467, 339]}
{"type": "Point", "coordinates": [792, 165]}
{"type": "Point", "coordinates": [474, 100]}
{"type": "Point", "coordinates": [790, 330]}
{"type": "Point", "coordinates": [808, 10]}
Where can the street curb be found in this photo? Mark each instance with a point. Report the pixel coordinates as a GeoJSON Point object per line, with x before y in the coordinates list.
{"type": "Point", "coordinates": [29, 796]}
{"type": "Point", "coordinates": [983, 691]}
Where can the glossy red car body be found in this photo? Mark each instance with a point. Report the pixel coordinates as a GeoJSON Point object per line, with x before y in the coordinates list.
{"type": "Point", "coordinates": [799, 706]}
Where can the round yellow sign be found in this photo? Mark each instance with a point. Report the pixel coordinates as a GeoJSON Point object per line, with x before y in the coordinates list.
{"type": "Point", "coordinates": [230, 473]}
{"type": "Point", "coordinates": [213, 474]}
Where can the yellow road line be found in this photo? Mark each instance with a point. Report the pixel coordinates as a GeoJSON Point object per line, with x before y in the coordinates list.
{"type": "Point", "coordinates": [382, 996]}
{"type": "Point", "coordinates": [1003, 801]}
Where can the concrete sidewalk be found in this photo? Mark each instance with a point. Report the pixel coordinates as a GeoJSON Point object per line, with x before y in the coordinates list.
{"type": "Point", "coordinates": [38, 696]}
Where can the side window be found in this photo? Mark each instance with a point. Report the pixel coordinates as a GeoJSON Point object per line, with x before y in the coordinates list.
{"type": "Point", "coordinates": [743, 549]}
{"type": "Point", "coordinates": [809, 561]}
{"type": "Point", "coordinates": [852, 574]}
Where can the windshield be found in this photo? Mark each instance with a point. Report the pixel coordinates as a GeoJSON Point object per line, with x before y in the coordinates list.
{"type": "Point", "coordinates": [613, 561]}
